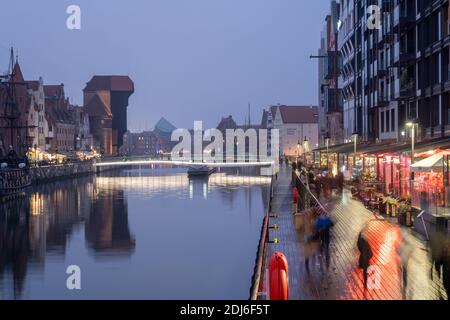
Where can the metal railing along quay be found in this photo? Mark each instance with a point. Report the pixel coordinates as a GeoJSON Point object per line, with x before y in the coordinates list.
{"type": "Point", "coordinates": [261, 255]}
{"type": "Point", "coordinates": [307, 199]}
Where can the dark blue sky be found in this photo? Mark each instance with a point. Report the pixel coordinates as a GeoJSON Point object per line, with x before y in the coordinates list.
{"type": "Point", "coordinates": [190, 59]}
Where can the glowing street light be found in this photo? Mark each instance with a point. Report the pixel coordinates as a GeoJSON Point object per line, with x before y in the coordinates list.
{"type": "Point", "coordinates": [327, 143]}
{"type": "Point", "coordinates": [412, 125]}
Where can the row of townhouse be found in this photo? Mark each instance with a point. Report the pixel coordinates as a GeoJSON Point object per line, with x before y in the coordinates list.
{"type": "Point", "coordinates": [46, 122]}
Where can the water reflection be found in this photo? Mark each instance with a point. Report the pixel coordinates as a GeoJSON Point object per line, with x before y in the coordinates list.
{"type": "Point", "coordinates": [107, 230]}
{"type": "Point", "coordinates": [102, 222]}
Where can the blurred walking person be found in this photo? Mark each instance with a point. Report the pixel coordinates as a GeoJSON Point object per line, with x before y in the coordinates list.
{"type": "Point", "coordinates": [405, 251]}
{"type": "Point", "coordinates": [324, 225]}
{"type": "Point", "coordinates": [311, 238]}
{"type": "Point", "coordinates": [438, 242]}
{"type": "Point", "coordinates": [446, 270]}
{"type": "Point", "coordinates": [365, 256]}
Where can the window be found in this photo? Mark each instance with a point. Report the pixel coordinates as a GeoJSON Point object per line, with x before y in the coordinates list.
{"type": "Point", "coordinates": [388, 122]}
{"type": "Point", "coordinates": [382, 121]}
{"type": "Point", "coordinates": [393, 126]}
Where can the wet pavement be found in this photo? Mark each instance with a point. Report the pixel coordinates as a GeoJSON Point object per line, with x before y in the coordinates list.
{"type": "Point", "coordinates": [343, 279]}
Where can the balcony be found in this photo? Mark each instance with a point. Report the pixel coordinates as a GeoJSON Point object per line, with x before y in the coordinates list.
{"type": "Point", "coordinates": [386, 5]}
{"type": "Point", "coordinates": [383, 100]}
{"type": "Point", "coordinates": [404, 89]}
{"type": "Point", "coordinates": [402, 56]}
{"type": "Point", "coordinates": [403, 19]}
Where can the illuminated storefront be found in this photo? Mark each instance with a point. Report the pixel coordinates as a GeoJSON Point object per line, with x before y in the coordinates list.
{"type": "Point", "coordinates": [430, 187]}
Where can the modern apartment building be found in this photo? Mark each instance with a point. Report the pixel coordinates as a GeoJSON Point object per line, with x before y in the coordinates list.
{"type": "Point", "coordinates": [330, 93]}
{"type": "Point", "coordinates": [396, 73]}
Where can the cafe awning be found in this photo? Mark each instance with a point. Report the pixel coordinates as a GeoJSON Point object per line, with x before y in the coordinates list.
{"type": "Point", "coordinates": [435, 162]}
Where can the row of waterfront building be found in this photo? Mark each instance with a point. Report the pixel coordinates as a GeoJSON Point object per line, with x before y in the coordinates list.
{"type": "Point", "coordinates": [375, 80]}
{"type": "Point", "coordinates": [38, 119]}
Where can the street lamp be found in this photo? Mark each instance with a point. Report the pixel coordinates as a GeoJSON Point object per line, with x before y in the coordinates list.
{"type": "Point", "coordinates": [35, 155]}
{"type": "Point", "coordinates": [305, 148]}
{"type": "Point", "coordinates": [355, 141]}
{"type": "Point", "coordinates": [327, 143]}
{"type": "Point", "coordinates": [412, 125]}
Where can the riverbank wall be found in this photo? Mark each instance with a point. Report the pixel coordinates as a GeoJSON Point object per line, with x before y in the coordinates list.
{"type": "Point", "coordinates": [45, 174]}
{"type": "Point", "coordinates": [51, 173]}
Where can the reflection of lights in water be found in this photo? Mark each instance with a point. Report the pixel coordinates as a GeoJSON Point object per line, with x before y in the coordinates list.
{"type": "Point", "coordinates": [205, 191]}
{"type": "Point", "coordinates": [191, 190]}
{"type": "Point", "coordinates": [177, 182]}
{"type": "Point", "coordinates": [37, 204]}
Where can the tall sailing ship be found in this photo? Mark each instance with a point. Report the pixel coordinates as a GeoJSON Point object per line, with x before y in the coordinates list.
{"type": "Point", "coordinates": [14, 169]}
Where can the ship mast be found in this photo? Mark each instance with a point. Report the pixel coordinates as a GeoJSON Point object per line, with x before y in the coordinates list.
{"type": "Point", "coordinates": [9, 111]}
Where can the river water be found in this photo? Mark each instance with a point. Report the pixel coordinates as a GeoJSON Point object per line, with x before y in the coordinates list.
{"type": "Point", "coordinates": [134, 234]}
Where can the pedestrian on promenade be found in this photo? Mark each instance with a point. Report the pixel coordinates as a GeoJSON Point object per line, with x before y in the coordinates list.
{"type": "Point", "coordinates": [318, 187]}
{"type": "Point", "coordinates": [404, 252]}
{"type": "Point", "coordinates": [438, 242]}
{"type": "Point", "coordinates": [324, 224]}
{"type": "Point", "coordinates": [340, 182]}
{"type": "Point", "coordinates": [365, 255]}
{"type": "Point", "coordinates": [446, 270]}
{"type": "Point", "coordinates": [311, 237]}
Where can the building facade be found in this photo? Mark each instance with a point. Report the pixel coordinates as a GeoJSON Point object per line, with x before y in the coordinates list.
{"type": "Point", "coordinates": [36, 116]}
{"type": "Point", "coordinates": [106, 101]}
{"type": "Point", "coordinates": [331, 124]}
{"type": "Point", "coordinates": [83, 137]}
{"type": "Point", "coordinates": [15, 104]}
{"type": "Point", "coordinates": [298, 128]}
{"type": "Point", "coordinates": [60, 122]}
{"type": "Point", "coordinates": [396, 73]}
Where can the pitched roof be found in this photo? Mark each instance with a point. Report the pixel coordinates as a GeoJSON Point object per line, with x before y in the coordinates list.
{"type": "Point", "coordinates": [227, 123]}
{"type": "Point", "coordinates": [61, 115]}
{"type": "Point", "coordinates": [165, 126]}
{"type": "Point", "coordinates": [110, 83]}
{"type": "Point", "coordinates": [33, 85]}
{"type": "Point", "coordinates": [17, 73]}
{"type": "Point", "coordinates": [265, 116]}
{"type": "Point", "coordinates": [54, 90]}
{"type": "Point", "coordinates": [299, 114]}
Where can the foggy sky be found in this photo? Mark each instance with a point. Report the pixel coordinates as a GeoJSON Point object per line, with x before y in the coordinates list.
{"type": "Point", "coordinates": [189, 59]}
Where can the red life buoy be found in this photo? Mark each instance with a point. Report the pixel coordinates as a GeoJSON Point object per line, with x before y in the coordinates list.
{"type": "Point", "coordinates": [279, 277]}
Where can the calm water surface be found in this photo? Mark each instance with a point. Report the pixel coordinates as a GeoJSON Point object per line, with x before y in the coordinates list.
{"type": "Point", "coordinates": [149, 234]}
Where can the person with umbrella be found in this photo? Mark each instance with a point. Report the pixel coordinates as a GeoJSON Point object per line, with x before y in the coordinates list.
{"type": "Point", "coordinates": [324, 224]}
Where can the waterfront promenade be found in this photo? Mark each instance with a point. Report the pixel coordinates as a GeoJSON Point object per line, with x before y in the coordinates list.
{"type": "Point", "coordinates": [343, 278]}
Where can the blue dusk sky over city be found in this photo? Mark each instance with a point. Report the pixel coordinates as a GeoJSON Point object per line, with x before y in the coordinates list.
{"type": "Point", "coordinates": [189, 60]}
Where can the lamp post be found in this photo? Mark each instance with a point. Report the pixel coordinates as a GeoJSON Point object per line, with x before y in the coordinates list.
{"type": "Point", "coordinates": [412, 125]}
{"type": "Point", "coordinates": [298, 149]}
{"type": "Point", "coordinates": [327, 143]}
{"type": "Point", "coordinates": [35, 155]}
{"type": "Point", "coordinates": [355, 141]}
{"type": "Point", "coordinates": [305, 149]}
